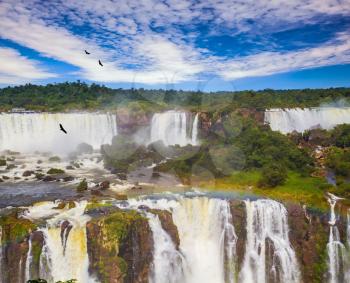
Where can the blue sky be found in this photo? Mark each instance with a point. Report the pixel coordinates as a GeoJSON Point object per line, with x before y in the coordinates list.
{"type": "Point", "coordinates": [194, 44]}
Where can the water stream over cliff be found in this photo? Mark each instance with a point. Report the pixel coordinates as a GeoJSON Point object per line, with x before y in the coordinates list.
{"type": "Point", "coordinates": [64, 253]}
{"type": "Point", "coordinates": [298, 119]}
{"type": "Point", "coordinates": [174, 127]}
{"type": "Point", "coordinates": [40, 131]}
{"type": "Point", "coordinates": [195, 241]}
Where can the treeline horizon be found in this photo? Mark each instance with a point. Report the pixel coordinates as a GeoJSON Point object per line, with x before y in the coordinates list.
{"type": "Point", "coordinates": [80, 95]}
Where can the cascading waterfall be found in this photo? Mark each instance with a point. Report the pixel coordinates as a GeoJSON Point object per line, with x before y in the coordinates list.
{"type": "Point", "coordinates": [64, 254]}
{"type": "Point", "coordinates": [338, 253]}
{"type": "Point", "coordinates": [168, 263]}
{"type": "Point", "coordinates": [174, 127]}
{"type": "Point", "coordinates": [298, 119]}
{"type": "Point", "coordinates": [40, 131]}
{"type": "Point", "coordinates": [207, 238]}
{"type": "Point", "coordinates": [267, 222]}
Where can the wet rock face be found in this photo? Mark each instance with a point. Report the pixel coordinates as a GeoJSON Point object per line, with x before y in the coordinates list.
{"type": "Point", "coordinates": [308, 235]}
{"type": "Point", "coordinates": [137, 250]}
{"type": "Point", "coordinates": [129, 122]}
{"type": "Point", "coordinates": [120, 247]}
{"type": "Point", "coordinates": [15, 233]}
{"type": "Point", "coordinates": [239, 222]}
{"type": "Point", "coordinates": [166, 220]}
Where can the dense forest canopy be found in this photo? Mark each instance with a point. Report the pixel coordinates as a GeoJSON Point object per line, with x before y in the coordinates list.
{"type": "Point", "coordinates": [78, 95]}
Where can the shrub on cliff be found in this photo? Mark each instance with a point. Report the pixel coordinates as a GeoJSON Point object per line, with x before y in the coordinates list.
{"type": "Point", "coordinates": [82, 186]}
{"type": "Point", "coordinates": [273, 175]}
{"type": "Point", "coordinates": [55, 171]}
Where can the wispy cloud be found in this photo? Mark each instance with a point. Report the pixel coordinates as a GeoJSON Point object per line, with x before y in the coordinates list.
{"type": "Point", "coordinates": [15, 68]}
{"type": "Point", "coordinates": [266, 63]}
{"type": "Point", "coordinates": [152, 41]}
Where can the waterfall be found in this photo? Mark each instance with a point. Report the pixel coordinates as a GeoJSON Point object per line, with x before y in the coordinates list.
{"type": "Point", "coordinates": [174, 127]}
{"type": "Point", "coordinates": [64, 255]}
{"type": "Point", "coordinates": [195, 130]}
{"type": "Point", "coordinates": [168, 263]}
{"type": "Point", "coordinates": [267, 228]}
{"type": "Point", "coordinates": [298, 119]}
{"type": "Point", "coordinates": [338, 254]}
{"type": "Point", "coordinates": [207, 238]}
{"type": "Point", "coordinates": [28, 260]}
{"type": "Point", "coordinates": [40, 131]}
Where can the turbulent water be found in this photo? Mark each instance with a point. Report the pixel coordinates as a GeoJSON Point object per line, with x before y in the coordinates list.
{"type": "Point", "coordinates": [267, 233]}
{"type": "Point", "coordinates": [174, 127]}
{"type": "Point", "coordinates": [298, 119]}
{"type": "Point", "coordinates": [40, 131]}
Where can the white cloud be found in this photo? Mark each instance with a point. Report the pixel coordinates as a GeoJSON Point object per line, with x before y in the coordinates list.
{"type": "Point", "coordinates": [267, 63]}
{"type": "Point", "coordinates": [59, 44]}
{"type": "Point", "coordinates": [122, 35]}
{"type": "Point", "coordinates": [15, 68]}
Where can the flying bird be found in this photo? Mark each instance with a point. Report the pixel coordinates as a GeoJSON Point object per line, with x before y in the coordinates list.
{"type": "Point", "coordinates": [88, 53]}
{"type": "Point", "coordinates": [62, 129]}
{"type": "Point", "coordinates": [99, 61]}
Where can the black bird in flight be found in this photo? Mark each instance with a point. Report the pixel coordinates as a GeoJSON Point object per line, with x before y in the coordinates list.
{"type": "Point", "coordinates": [99, 61]}
{"type": "Point", "coordinates": [62, 129]}
{"type": "Point", "coordinates": [88, 53]}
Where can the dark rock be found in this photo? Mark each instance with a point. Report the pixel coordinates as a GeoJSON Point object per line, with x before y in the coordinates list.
{"type": "Point", "coordinates": [144, 207]}
{"type": "Point", "coordinates": [122, 176]}
{"type": "Point", "coordinates": [104, 185]}
{"type": "Point", "coordinates": [96, 193]}
{"type": "Point", "coordinates": [5, 177]}
{"type": "Point", "coordinates": [68, 179]}
{"type": "Point", "coordinates": [70, 167]}
{"type": "Point", "coordinates": [39, 161]}
{"type": "Point", "coordinates": [48, 179]}
{"type": "Point", "coordinates": [27, 173]}
{"type": "Point", "coordinates": [155, 174]}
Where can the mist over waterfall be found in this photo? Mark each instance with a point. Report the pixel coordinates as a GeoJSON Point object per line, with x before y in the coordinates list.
{"type": "Point", "coordinates": [40, 131]}
{"type": "Point", "coordinates": [298, 119]}
{"type": "Point", "coordinates": [267, 222]}
{"type": "Point", "coordinates": [174, 127]}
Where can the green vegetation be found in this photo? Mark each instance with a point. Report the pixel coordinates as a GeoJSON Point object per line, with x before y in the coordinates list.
{"type": "Point", "coordinates": [82, 186]}
{"type": "Point", "coordinates": [78, 95]}
{"type": "Point", "coordinates": [52, 171]}
{"type": "Point", "coordinates": [54, 159]}
{"type": "Point", "coordinates": [15, 228]}
{"type": "Point", "coordinates": [2, 162]}
{"type": "Point", "coordinates": [273, 175]}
